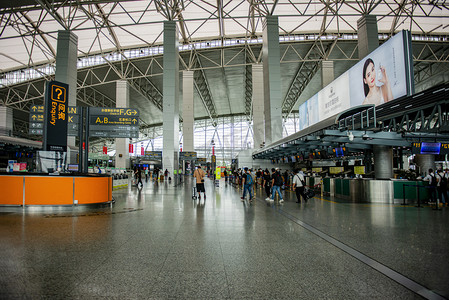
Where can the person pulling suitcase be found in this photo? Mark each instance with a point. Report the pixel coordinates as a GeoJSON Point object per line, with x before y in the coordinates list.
{"type": "Point", "coordinates": [299, 186]}
{"type": "Point", "coordinates": [199, 175]}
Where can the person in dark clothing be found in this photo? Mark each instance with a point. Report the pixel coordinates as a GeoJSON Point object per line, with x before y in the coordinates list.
{"type": "Point", "coordinates": [267, 183]}
{"type": "Point", "coordinates": [139, 177]}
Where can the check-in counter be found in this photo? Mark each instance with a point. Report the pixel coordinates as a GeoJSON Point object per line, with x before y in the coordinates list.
{"type": "Point", "coordinates": [355, 189]}
{"type": "Point", "coordinates": [376, 191]}
{"type": "Point", "coordinates": [342, 189]}
{"type": "Point", "coordinates": [412, 190]}
{"type": "Point", "coordinates": [65, 189]}
{"type": "Point", "coordinates": [326, 188]}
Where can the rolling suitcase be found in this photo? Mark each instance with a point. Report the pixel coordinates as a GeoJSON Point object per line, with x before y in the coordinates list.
{"type": "Point", "coordinates": [309, 193]}
{"type": "Point", "coordinates": [194, 192]}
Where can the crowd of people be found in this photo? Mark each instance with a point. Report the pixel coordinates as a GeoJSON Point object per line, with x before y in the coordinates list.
{"type": "Point", "coordinates": [155, 175]}
{"type": "Point", "coordinates": [439, 181]}
{"type": "Point", "coordinates": [273, 183]}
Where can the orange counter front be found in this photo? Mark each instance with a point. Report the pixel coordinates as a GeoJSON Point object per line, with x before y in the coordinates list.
{"type": "Point", "coordinates": [25, 189]}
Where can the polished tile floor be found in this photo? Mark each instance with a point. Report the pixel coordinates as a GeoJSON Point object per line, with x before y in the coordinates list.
{"type": "Point", "coordinates": [158, 243]}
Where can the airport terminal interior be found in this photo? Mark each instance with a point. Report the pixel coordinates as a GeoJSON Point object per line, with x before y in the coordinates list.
{"type": "Point", "coordinates": [319, 132]}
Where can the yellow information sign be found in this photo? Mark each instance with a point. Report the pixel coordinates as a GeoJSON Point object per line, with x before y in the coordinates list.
{"type": "Point", "coordinates": [359, 170]}
{"type": "Point", "coordinates": [218, 173]}
{"type": "Point", "coordinates": [335, 170]}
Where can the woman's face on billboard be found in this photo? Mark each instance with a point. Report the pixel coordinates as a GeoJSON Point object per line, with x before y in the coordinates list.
{"type": "Point", "coordinates": [370, 75]}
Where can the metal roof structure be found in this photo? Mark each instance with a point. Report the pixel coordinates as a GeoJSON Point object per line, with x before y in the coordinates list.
{"type": "Point", "coordinates": [219, 40]}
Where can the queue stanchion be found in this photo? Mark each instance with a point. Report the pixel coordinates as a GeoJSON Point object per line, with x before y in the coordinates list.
{"type": "Point", "coordinates": [437, 203]}
{"type": "Point", "coordinates": [403, 194]}
{"type": "Point", "coordinates": [419, 200]}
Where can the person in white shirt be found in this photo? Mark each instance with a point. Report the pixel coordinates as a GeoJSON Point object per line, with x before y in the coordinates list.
{"type": "Point", "coordinates": [298, 185]}
{"type": "Point", "coordinates": [433, 181]}
{"type": "Point", "coordinates": [442, 186]}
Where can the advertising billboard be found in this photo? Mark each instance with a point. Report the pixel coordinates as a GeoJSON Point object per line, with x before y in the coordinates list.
{"type": "Point", "coordinates": [383, 75]}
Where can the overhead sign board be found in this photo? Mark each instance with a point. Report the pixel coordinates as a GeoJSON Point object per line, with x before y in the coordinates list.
{"type": "Point", "coordinates": [98, 156]}
{"type": "Point", "coordinates": [56, 107]}
{"type": "Point", "coordinates": [113, 122]}
{"type": "Point", "coordinates": [430, 148]}
{"type": "Point", "coordinates": [187, 155]}
{"type": "Point", "coordinates": [152, 155]}
{"type": "Point", "coordinates": [108, 111]}
{"type": "Point", "coordinates": [36, 120]}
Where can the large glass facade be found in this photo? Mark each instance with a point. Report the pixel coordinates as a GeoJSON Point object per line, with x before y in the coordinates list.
{"type": "Point", "coordinates": [231, 135]}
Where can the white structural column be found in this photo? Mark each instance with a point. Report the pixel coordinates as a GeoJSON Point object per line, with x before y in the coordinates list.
{"type": "Point", "coordinates": [368, 38]}
{"type": "Point", "coordinates": [327, 72]}
{"type": "Point", "coordinates": [258, 105]}
{"type": "Point", "coordinates": [272, 80]}
{"type": "Point", "coordinates": [170, 88]}
{"type": "Point", "coordinates": [187, 111]}
{"type": "Point", "coordinates": [122, 144]}
{"type": "Point", "coordinates": [66, 72]}
{"type": "Point", "coordinates": [6, 123]}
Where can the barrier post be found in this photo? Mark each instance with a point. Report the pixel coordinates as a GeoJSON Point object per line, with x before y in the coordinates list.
{"type": "Point", "coordinates": [419, 202]}
{"type": "Point", "coordinates": [403, 194]}
{"type": "Point", "coordinates": [437, 203]}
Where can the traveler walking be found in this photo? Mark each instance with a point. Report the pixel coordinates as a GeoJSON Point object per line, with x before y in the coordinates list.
{"type": "Point", "coordinates": [199, 175]}
{"type": "Point", "coordinates": [276, 184]}
{"type": "Point", "coordinates": [139, 177]}
{"type": "Point", "coordinates": [267, 183]}
{"type": "Point", "coordinates": [298, 185]}
{"type": "Point", "coordinates": [248, 182]}
{"type": "Point", "coordinates": [146, 174]}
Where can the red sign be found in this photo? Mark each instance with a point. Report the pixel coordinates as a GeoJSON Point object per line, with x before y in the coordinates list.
{"type": "Point", "coordinates": [84, 146]}
{"type": "Point", "coordinates": [105, 150]}
{"type": "Point", "coordinates": [142, 152]}
{"type": "Point", "coordinates": [131, 148]}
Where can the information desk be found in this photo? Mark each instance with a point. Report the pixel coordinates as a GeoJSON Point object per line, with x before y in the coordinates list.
{"type": "Point", "coordinates": [65, 189]}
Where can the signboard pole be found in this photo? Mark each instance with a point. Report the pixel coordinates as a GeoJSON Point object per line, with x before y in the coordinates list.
{"type": "Point", "coordinates": [80, 139]}
{"type": "Point", "coordinates": [86, 141]}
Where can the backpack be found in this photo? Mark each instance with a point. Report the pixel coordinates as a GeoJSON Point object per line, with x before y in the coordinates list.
{"type": "Point", "coordinates": [443, 181]}
{"type": "Point", "coordinates": [278, 179]}
{"type": "Point", "coordinates": [433, 180]}
{"type": "Point", "coordinates": [249, 179]}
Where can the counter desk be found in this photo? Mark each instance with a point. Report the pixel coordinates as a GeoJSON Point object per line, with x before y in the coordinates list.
{"type": "Point", "coordinates": [20, 188]}
{"type": "Point", "coordinates": [375, 191]}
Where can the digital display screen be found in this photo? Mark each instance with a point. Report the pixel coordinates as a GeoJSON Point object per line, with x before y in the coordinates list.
{"type": "Point", "coordinates": [72, 168]}
{"type": "Point", "coordinates": [430, 148]}
{"type": "Point", "coordinates": [339, 152]}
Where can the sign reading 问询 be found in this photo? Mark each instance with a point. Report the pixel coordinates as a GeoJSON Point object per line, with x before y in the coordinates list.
{"type": "Point", "coordinates": [55, 125]}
